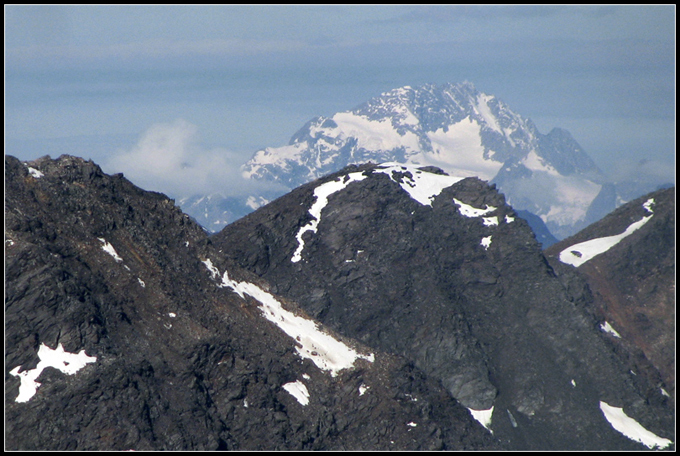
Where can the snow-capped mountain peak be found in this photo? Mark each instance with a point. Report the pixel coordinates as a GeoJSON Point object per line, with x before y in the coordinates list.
{"type": "Point", "coordinates": [454, 127]}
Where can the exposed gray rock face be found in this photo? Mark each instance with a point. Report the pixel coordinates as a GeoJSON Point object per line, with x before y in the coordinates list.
{"type": "Point", "coordinates": [462, 288]}
{"type": "Point", "coordinates": [633, 282]}
{"type": "Point", "coordinates": [177, 360]}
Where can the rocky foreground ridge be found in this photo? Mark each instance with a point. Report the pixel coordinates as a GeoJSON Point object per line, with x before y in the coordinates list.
{"type": "Point", "coordinates": [628, 261]}
{"type": "Point", "coordinates": [440, 270]}
{"type": "Point", "coordinates": [125, 328]}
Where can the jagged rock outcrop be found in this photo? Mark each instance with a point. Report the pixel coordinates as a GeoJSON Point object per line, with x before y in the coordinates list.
{"type": "Point", "coordinates": [144, 337]}
{"type": "Point", "coordinates": [439, 269]}
{"type": "Point", "coordinates": [627, 260]}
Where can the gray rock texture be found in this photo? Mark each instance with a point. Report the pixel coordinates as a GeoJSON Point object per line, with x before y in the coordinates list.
{"type": "Point", "coordinates": [633, 283]}
{"type": "Point", "coordinates": [493, 324]}
{"type": "Point", "coordinates": [181, 363]}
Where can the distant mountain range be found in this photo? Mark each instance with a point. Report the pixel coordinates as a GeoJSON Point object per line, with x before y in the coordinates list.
{"type": "Point", "coordinates": [461, 130]}
{"type": "Point", "coordinates": [548, 178]}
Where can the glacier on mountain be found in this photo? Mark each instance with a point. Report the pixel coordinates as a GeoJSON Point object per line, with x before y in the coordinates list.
{"type": "Point", "coordinates": [456, 128]}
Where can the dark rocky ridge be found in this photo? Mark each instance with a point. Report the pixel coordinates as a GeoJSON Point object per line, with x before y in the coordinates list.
{"type": "Point", "coordinates": [495, 326]}
{"type": "Point", "coordinates": [542, 233]}
{"type": "Point", "coordinates": [633, 283]}
{"type": "Point", "coordinates": [209, 378]}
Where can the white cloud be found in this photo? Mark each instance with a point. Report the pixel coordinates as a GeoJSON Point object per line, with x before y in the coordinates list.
{"type": "Point", "coordinates": [169, 158]}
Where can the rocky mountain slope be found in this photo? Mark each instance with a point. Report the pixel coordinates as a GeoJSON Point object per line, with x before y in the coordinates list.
{"type": "Point", "coordinates": [628, 261]}
{"type": "Point", "coordinates": [126, 328]}
{"type": "Point", "coordinates": [464, 132]}
{"type": "Point", "coordinates": [440, 270]}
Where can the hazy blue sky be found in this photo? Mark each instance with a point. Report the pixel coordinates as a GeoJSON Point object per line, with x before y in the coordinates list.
{"type": "Point", "coordinates": [206, 86]}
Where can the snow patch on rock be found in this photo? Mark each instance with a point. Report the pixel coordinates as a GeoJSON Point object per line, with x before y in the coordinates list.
{"type": "Point", "coordinates": [298, 390]}
{"type": "Point", "coordinates": [469, 211]}
{"type": "Point", "coordinates": [108, 248]}
{"type": "Point", "coordinates": [68, 363]}
{"type": "Point", "coordinates": [322, 192]}
{"type": "Point", "coordinates": [483, 416]}
{"type": "Point", "coordinates": [606, 327]}
{"type": "Point", "coordinates": [421, 186]}
{"type": "Point", "coordinates": [578, 254]}
{"type": "Point", "coordinates": [326, 352]}
{"type": "Point", "coordinates": [631, 428]}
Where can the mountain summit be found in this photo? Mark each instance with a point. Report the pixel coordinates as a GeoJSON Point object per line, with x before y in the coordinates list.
{"type": "Point", "coordinates": [457, 128]}
{"type": "Point", "coordinates": [439, 269]}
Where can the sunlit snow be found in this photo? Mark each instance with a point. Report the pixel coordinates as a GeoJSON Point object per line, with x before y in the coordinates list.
{"type": "Point", "coordinates": [254, 202]}
{"type": "Point", "coordinates": [68, 363]}
{"type": "Point", "coordinates": [108, 248]}
{"type": "Point", "coordinates": [573, 195]}
{"type": "Point", "coordinates": [458, 150]}
{"type": "Point", "coordinates": [578, 254]}
{"type": "Point", "coordinates": [298, 390]}
{"type": "Point", "coordinates": [486, 242]}
{"type": "Point", "coordinates": [422, 186]}
{"type": "Point", "coordinates": [373, 134]}
{"type": "Point", "coordinates": [483, 416]}
{"type": "Point", "coordinates": [469, 211]}
{"type": "Point", "coordinates": [606, 327]}
{"type": "Point", "coordinates": [35, 173]}
{"type": "Point", "coordinates": [324, 350]}
{"type": "Point", "coordinates": [535, 163]}
{"type": "Point", "coordinates": [484, 110]}
{"type": "Point", "coordinates": [322, 192]}
{"type": "Point", "coordinates": [631, 428]}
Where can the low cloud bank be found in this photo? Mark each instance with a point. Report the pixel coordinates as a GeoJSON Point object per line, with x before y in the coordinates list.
{"type": "Point", "coordinates": [168, 158]}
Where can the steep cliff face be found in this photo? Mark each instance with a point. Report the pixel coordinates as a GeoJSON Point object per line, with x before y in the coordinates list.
{"type": "Point", "coordinates": [440, 270]}
{"type": "Point", "coordinates": [628, 261]}
{"type": "Point", "coordinates": [125, 328]}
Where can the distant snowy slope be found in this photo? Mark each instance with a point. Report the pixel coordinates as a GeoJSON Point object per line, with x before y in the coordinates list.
{"type": "Point", "coordinates": [456, 128]}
